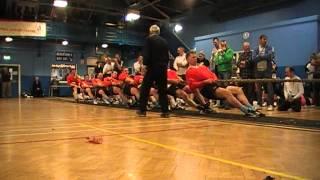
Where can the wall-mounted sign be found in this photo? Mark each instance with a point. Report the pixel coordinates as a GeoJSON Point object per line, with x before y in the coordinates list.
{"type": "Point", "coordinates": [6, 57]}
{"type": "Point", "coordinates": [20, 28]}
{"type": "Point", "coordinates": [60, 71]}
{"type": "Point", "coordinates": [64, 56]}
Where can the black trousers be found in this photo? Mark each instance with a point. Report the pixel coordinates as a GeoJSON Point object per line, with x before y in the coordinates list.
{"type": "Point", "coordinates": [285, 105]}
{"type": "Point", "coordinates": [262, 75]}
{"type": "Point", "coordinates": [316, 90]}
{"type": "Point", "coordinates": [248, 89]}
{"type": "Point", "coordinates": [159, 76]}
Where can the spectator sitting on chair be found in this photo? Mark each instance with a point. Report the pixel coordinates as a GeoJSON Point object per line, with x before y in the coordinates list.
{"type": "Point", "coordinates": [292, 92]}
{"type": "Point", "coordinates": [36, 87]}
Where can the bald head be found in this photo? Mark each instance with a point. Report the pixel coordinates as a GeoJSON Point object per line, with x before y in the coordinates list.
{"type": "Point", "coordinates": [154, 30]}
{"type": "Point", "coordinates": [246, 46]}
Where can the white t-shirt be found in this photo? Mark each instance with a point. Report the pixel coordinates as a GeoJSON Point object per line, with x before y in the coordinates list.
{"type": "Point", "coordinates": [137, 67]}
{"type": "Point", "coordinates": [294, 89]}
{"type": "Point", "coordinates": [108, 67]}
{"type": "Point", "coordinates": [180, 64]}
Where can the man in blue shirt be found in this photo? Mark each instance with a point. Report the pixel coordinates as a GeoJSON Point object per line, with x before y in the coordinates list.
{"type": "Point", "coordinates": [263, 57]}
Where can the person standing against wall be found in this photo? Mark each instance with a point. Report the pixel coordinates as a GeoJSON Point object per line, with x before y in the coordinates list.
{"type": "Point", "coordinates": [216, 47]}
{"type": "Point", "coordinates": [223, 59]}
{"type": "Point", "coordinates": [156, 58]}
{"type": "Point", "coordinates": [262, 57]}
{"type": "Point", "coordinates": [245, 64]}
{"type": "Point", "coordinates": [6, 82]}
{"type": "Point", "coordinates": [138, 65]}
{"type": "Point", "coordinates": [180, 63]}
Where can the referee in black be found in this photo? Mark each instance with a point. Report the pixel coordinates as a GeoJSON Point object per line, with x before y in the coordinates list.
{"type": "Point", "coordinates": [155, 60]}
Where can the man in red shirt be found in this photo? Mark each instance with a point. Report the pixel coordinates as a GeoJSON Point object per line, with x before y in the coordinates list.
{"type": "Point", "coordinates": [131, 85]}
{"type": "Point", "coordinates": [87, 86]}
{"type": "Point", "coordinates": [74, 82]}
{"type": "Point", "coordinates": [203, 83]}
{"type": "Point", "coordinates": [100, 86]}
{"type": "Point", "coordinates": [113, 87]}
{"type": "Point", "coordinates": [176, 86]}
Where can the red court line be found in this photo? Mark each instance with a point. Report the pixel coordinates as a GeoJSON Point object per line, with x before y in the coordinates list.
{"type": "Point", "coordinates": [83, 137]}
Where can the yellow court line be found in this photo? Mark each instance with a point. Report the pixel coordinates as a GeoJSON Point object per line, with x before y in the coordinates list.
{"type": "Point", "coordinates": [156, 125]}
{"type": "Point", "coordinates": [197, 154]}
{"type": "Point", "coordinates": [153, 123]}
{"type": "Point", "coordinates": [45, 133]}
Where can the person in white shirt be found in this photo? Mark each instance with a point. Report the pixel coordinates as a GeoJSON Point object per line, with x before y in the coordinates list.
{"type": "Point", "coordinates": [109, 65]}
{"type": "Point", "coordinates": [138, 65]}
{"type": "Point", "coordinates": [292, 92]}
{"type": "Point", "coordinates": [216, 47]}
{"type": "Point", "coordinates": [180, 63]}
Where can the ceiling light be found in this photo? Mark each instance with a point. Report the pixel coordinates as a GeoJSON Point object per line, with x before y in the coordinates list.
{"type": "Point", "coordinates": [110, 24]}
{"type": "Point", "coordinates": [132, 15]}
{"type": "Point", "coordinates": [104, 46]}
{"type": "Point", "coordinates": [65, 43]}
{"type": "Point", "coordinates": [60, 3]}
{"type": "Point", "coordinates": [178, 28]}
{"type": "Point", "coordinates": [8, 39]}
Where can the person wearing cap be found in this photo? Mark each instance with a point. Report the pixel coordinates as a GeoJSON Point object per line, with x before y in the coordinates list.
{"type": "Point", "coordinates": [155, 60]}
{"type": "Point", "coordinates": [202, 59]}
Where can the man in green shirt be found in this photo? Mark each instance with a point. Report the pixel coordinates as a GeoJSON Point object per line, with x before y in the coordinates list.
{"type": "Point", "coordinates": [223, 59]}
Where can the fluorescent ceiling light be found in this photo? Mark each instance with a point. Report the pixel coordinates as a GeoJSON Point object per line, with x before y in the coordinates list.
{"type": "Point", "coordinates": [104, 46]}
{"type": "Point", "coordinates": [6, 57]}
{"type": "Point", "coordinates": [110, 24]}
{"type": "Point", "coordinates": [178, 28]}
{"type": "Point", "coordinates": [8, 39]}
{"type": "Point", "coordinates": [65, 43]}
{"type": "Point", "coordinates": [60, 3]}
{"type": "Point", "coordinates": [132, 15]}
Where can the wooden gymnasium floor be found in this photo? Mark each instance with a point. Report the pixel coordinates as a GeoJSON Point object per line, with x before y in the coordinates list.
{"type": "Point", "coordinates": [43, 139]}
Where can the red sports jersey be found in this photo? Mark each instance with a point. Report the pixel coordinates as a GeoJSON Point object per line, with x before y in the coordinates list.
{"type": "Point", "coordinates": [138, 79]}
{"type": "Point", "coordinates": [110, 81]}
{"type": "Point", "coordinates": [86, 83]}
{"type": "Point", "coordinates": [123, 76]}
{"type": "Point", "coordinates": [172, 75]}
{"type": "Point", "coordinates": [99, 82]}
{"type": "Point", "coordinates": [72, 79]}
{"type": "Point", "coordinates": [196, 74]}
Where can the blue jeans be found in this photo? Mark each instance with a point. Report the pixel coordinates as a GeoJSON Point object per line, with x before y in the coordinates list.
{"type": "Point", "coordinates": [224, 76]}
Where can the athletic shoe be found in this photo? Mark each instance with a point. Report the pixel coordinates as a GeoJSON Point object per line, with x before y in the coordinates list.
{"type": "Point", "coordinates": [179, 107]}
{"type": "Point", "coordinates": [256, 112]}
{"type": "Point", "coordinates": [264, 104]}
{"type": "Point", "coordinates": [251, 114]}
{"type": "Point", "coordinates": [270, 108]}
{"type": "Point", "coordinates": [106, 101]}
{"type": "Point", "coordinates": [116, 102]}
{"type": "Point", "coordinates": [257, 107]}
{"type": "Point", "coordinates": [95, 101]}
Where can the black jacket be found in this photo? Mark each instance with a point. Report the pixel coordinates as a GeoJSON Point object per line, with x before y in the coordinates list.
{"type": "Point", "coordinates": [155, 52]}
